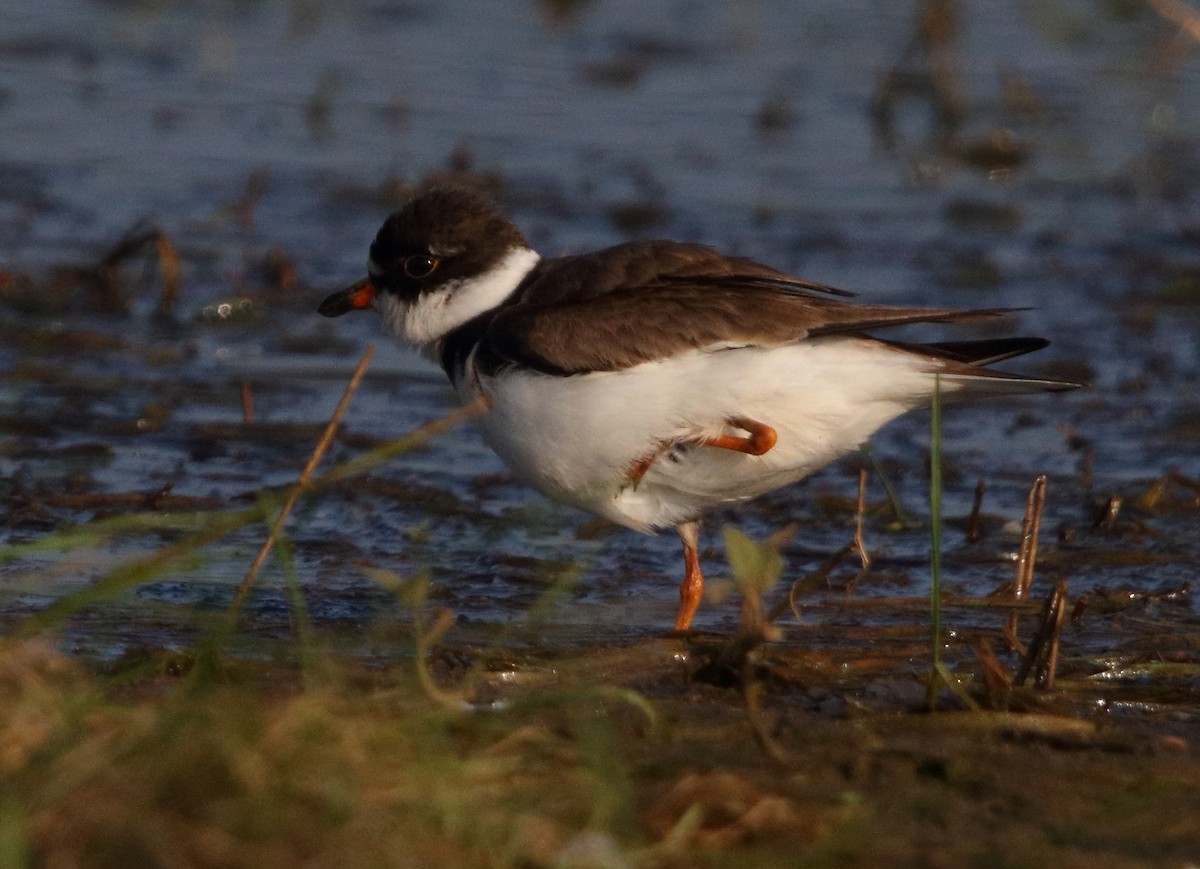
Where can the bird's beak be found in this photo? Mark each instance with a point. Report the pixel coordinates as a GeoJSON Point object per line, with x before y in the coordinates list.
{"type": "Point", "coordinates": [354, 297]}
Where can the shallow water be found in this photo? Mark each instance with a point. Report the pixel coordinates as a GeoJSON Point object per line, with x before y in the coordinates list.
{"type": "Point", "coordinates": [1050, 161]}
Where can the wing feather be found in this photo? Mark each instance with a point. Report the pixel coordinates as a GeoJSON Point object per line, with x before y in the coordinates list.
{"type": "Point", "coordinates": [627, 327]}
{"type": "Point", "coordinates": [635, 303]}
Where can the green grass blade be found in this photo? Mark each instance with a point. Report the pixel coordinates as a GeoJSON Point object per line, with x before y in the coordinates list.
{"type": "Point", "coordinates": [903, 520]}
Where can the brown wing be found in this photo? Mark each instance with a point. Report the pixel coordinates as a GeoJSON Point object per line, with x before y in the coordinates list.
{"type": "Point", "coordinates": [654, 311]}
{"type": "Point", "coordinates": [640, 265]}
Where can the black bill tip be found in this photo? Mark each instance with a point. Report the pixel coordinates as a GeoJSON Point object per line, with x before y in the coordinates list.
{"type": "Point", "coordinates": [353, 298]}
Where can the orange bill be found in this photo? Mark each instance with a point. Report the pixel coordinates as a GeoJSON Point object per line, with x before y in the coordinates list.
{"type": "Point", "coordinates": [353, 298]}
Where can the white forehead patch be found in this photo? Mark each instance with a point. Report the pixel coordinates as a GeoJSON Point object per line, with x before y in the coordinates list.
{"type": "Point", "coordinates": [374, 269]}
{"type": "Point", "coordinates": [432, 315]}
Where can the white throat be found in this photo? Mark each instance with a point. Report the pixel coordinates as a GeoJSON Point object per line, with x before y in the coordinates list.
{"type": "Point", "coordinates": [435, 314]}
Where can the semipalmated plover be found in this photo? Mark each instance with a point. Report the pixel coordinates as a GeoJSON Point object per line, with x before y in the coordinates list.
{"type": "Point", "coordinates": [651, 381]}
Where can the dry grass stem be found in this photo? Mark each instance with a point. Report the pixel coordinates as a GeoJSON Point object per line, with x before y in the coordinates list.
{"type": "Point", "coordinates": [1087, 469]}
{"type": "Point", "coordinates": [400, 446]}
{"type": "Point", "coordinates": [1159, 495]}
{"type": "Point", "coordinates": [168, 266]}
{"type": "Point", "coordinates": [857, 544]}
{"type": "Point", "coordinates": [974, 529]}
{"type": "Point", "coordinates": [1106, 518]}
{"type": "Point", "coordinates": [752, 692]}
{"type": "Point", "coordinates": [247, 403]}
{"type": "Point", "coordinates": [996, 678]}
{"type": "Point", "coordinates": [318, 453]}
{"type": "Point", "coordinates": [426, 639]}
{"type": "Point", "coordinates": [1042, 657]}
{"type": "Point", "coordinates": [811, 582]}
{"type": "Point", "coordinates": [1178, 12]}
{"type": "Point", "coordinates": [1049, 665]}
{"type": "Point", "coordinates": [1030, 528]}
{"type": "Point", "coordinates": [860, 509]}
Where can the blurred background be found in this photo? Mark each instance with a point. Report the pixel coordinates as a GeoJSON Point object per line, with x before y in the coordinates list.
{"type": "Point", "coordinates": [181, 183]}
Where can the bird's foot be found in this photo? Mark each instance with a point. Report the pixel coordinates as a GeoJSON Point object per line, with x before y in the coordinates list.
{"type": "Point", "coordinates": [761, 437]}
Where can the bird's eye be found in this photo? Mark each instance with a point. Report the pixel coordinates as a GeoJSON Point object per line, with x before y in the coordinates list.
{"type": "Point", "coordinates": [420, 265]}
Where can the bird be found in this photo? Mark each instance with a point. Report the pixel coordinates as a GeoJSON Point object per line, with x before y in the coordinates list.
{"type": "Point", "coordinates": [653, 381]}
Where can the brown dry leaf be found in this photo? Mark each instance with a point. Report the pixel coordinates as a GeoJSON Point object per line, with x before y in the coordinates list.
{"type": "Point", "coordinates": [33, 707]}
{"type": "Point", "coordinates": [537, 837]}
{"type": "Point", "coordinates": [734, 809]}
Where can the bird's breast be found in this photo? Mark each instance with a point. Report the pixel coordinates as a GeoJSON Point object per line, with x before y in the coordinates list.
{"type": "Point", "coordinates": [626, 444]}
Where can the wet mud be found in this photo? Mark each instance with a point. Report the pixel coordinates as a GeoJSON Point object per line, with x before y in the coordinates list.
{"type": "Point", "coordinates": [166, 379]}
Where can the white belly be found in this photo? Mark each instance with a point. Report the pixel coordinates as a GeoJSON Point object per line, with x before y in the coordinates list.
{"type": "Point", "coordinates": [577, 439]}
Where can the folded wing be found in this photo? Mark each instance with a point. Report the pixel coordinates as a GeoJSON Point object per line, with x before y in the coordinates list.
{"type": "Point", "coordinates": [672, 299]}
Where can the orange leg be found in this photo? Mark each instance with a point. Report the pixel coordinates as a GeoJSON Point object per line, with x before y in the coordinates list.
{"type": "Point", "coordinates": [692, 587]}
{"type": "Point", "coordinates": [761, 438]}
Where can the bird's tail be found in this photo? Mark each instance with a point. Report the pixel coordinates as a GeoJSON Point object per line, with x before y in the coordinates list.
{"type": "Point", "coordinates": [963, 366]}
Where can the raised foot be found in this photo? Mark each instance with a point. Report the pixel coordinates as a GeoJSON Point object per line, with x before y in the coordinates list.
{"type": "Point", "coordinates": [761, 437]}
{"type": "Point", "coordinates": [759, 440]}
